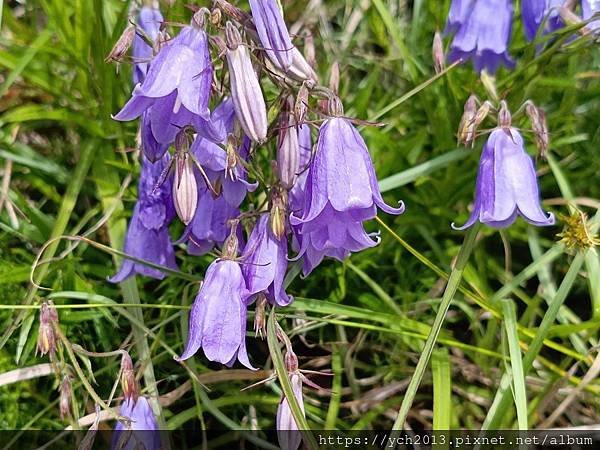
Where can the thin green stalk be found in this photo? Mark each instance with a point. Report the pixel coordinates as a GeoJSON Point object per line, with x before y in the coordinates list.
{"type": "Point", "coordinates": [284, 380]}
{"type": "Point", "coordinates": [516, 363]}
{"type": "Point", "coordinates": [62, 219]}
{"type": "Point", "coordinates": [451, 287]}
{"type": "Point", "coordinates": [336, 387]}
{"type": "Point", "coordinates": [501, 402]}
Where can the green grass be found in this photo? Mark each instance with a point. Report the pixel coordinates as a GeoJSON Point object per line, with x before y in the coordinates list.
{"type": "Point", "coordinates": [524, 312]}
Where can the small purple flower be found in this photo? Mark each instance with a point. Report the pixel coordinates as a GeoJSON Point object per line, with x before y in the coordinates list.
{"type": "Point", "coordinates": [272, 31]}
{"type": "Point", "coordinates": [265, 263]}
{"type": "Point", "coordinates": [506, 184]}
{"type": "Point", "coordinates": [148, 233]}
{"type": "Point", "coordinates": [458, 14]}
{"type": "Point", "coordinates": [149, 20]}
{"type": "Point", "coordinates": [177, 87]}
{"type": "Point", "coordinates": [287, 430]}
{"type": "Point", "coordinates": [534, 12]}
{"type": "Point", "coordinates": [341, 193]}
{"type": "Point", "coordinates": [484, 36]}
{"type": "Point", "coordinates": [588, 9]}
{"type": "Point", "coordinates": [143, 426]}
{"type": "Point", "coordinates": [218, 317]}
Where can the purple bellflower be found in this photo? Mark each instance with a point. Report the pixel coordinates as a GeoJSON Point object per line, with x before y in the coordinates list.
{"type": "Point", "coordinates": [341, 193]}
{"type": "Point", "coordinates": [265, 263]}
{"type": "Point", "coordinates": [177, 87]}
{"type": "Point", "coordinates": [272, 32]}
{"type": "Point", "coordinates": [218, 317]}
{"type": "Point", "coordinates": [142, 427]}
{"type": "Point", "coordinates": [458, 14]}
{"type": "Point", "coordinates": [588, 9]}
{"type": "Point", "coordinates": [149, 20]}
{"type": "Point", "coordinates": [148, 233]}
{"type": "Point", "coordinates": [534, 12]}
{"type": "Point", "coordinates": [506, 184]}
{"type": "Point", "coordinates": [484, 36]}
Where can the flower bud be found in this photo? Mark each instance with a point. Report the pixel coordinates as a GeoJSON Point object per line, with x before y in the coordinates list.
{"type": "Point", "coordinates": [185, 188]}
{"type": "Point", "coordinates": [122, 45]}
{"type": "Point", "coordinates": [64, 402]}
{"type": "Point", "coordinates": [439, 59]}
{"type": "Point", "coordinates": [46, 342]}
{"type": "Point", "coordinates": [246, 93]}
{"type": "Point", "coordinates": [129, 384]}
{"type": "Point", "coordinates": [300, 69]}
{"type": "Point", "coordinates": [291, 362]}
{"type": "Point", "coordinates": [288, 149]}
{"type": "Point", "coordinates": [260, 316]}
{"type": "Point", "coordinates": [335, 107]}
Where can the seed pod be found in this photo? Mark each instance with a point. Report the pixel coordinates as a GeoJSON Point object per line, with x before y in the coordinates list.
{"type": "Point", "coordinates": [122, 45]}
{"type": "Point", "coordinates": [246, 93]}
{"type": "Point", "coordinates": [437, 50]}
{"type": "Point", "coordinates": [129, 384]}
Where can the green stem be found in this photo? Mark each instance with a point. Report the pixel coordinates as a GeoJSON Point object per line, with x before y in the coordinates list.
{"type": "Point", "coordinates": [502, 400]}
{"type": "Point", "coordinates": [284, 380]}
{"type": "Point", "coordinates": [451, 287]}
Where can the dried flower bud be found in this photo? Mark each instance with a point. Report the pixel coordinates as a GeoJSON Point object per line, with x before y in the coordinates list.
{"type": "Point", "coordinates": [301, 104]}
{"type": "Point", "coordinates": [278, 212]}
{"type": "Point", "coordinates": [260, 316]}
{"type": "Point", "coordinates": [129, 384]}
{"type": "Point", "coordinates": [65, 391]}
{"type": "Point", "coordinates": [540, 127]}
{"type": "Point", "coordinates": [215, 16]}
{"type": "Point", "coordinates": [122, 45]}
{"type": "Point", "coordinates": [466, 129]}
{"type": "Point", "coordinates": [230, 247]}
{"type": "Point", "coordinates": [185, 188]}
{"type": "Point", "coordinates": [231, 157]}
{"type": "Point", "coordinates": [504, 117]}
{"type": "Point", "coordinates": [291, 362]}
{"type": "Point", "coordinates": [238, 14]}
{"type": "Point", "coordinates": [246, 93]}
{"type": "Point", "coordinates": [46, 342]}
{"type": "Point", "coordinates": [439, 59]}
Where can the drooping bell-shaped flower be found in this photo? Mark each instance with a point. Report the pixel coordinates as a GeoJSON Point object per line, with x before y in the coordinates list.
{"type": "Point", "coordinates": [457, 16]}
{"type": "Point", "coordinates": [588, 9]}
{"type": "Point", "coordinates": [217, 321]}
{"type": "Point", "coordinates": [149, 20]}
{"type": "Point", "coordinates": [341, 193]}
{"type": "Point", "coordinates": [177, 87]}
{"type": "Point", "coordinates": [534, 12]}
{"type": "Point", "coordinates": [147, 236]}
{"type": "Point", "coordinates": [507, 184]}
{"type": "Point", "coordinates": [265, 263]}
{"type": "Point", "coordinates": [140, 432]}
{"type": "Point", "coordinates": [272, 32]}
{"type": "Point", "coordinates": [246, 93]}
{"type": "Point", "coordinates": [484, 36]}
